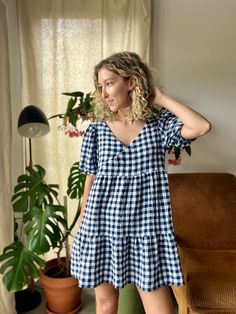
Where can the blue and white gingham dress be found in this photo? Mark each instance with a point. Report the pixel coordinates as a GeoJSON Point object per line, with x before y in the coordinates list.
{"type": "Point", "coordinates": [126, 234]}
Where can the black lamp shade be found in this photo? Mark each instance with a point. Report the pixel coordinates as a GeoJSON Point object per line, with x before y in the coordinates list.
{"type": "Point", "coordinates": [32, 122]}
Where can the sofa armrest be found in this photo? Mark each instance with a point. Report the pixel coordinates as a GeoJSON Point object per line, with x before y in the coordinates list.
{"type": "Point", "coordinates": [180, 292]}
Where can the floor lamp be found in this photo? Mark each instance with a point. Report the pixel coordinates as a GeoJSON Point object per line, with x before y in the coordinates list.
{"type": "Point", "coordinates": [32, 122]}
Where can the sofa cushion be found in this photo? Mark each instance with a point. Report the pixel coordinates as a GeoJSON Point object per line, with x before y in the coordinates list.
{"type": "Point", "coordinates": [211, 292]}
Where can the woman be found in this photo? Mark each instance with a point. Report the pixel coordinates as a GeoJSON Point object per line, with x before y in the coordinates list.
{"type": "Point", "coordinates": [126, 231]}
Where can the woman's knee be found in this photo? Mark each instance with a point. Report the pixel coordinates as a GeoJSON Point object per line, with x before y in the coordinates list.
{"type": "Point", "coordinates": [106, 306]}
{"type": "Point", "coordinates": [106, 299]}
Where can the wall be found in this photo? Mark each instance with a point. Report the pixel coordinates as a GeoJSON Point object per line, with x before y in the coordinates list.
{"type": "Point", "coordinates": [194, 52]}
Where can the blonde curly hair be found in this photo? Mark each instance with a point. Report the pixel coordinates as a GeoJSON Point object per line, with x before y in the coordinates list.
{"type": "Point", "coordinates": [127, 65]}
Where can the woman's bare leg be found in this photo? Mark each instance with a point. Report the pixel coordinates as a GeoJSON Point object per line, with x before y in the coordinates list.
{"type": "Point", "coordinates": [106, 299]}
{"type": "Point", "coordinates": [157, 302]}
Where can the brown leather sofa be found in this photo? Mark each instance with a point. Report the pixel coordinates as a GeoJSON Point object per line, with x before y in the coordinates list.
{"type": "Point", "coordinates": [204, 216]}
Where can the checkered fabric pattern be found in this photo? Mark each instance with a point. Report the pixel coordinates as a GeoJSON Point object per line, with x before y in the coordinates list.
{"type": "Point", "coordinates": [126, 234]}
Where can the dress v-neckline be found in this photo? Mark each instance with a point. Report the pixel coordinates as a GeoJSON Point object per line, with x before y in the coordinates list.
{"type": "Point", "coordinates": [133, 140]}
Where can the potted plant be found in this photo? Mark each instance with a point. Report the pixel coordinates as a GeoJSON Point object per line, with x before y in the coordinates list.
{"type": "Point", "coordinates": [44, 221]}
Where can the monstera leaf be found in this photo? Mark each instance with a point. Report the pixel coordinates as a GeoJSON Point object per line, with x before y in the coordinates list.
{"type": "Point", "coordinates": [18, 263]}
{"type": "Point", "coordinates": [76, 182]}
{"type": "Point", "coordinates": [44, 227]}
{"type": "Point", "coordinates": [32, 189]}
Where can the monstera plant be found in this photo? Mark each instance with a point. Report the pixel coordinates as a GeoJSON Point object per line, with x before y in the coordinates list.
{"type": "Point", "coordinates": [44, 221]}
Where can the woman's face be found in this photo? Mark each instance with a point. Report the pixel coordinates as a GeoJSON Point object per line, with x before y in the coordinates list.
{"type": "Point", "coordinates": [114, 89]}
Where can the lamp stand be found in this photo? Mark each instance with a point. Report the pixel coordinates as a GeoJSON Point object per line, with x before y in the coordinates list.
{"type": "Point", "coordinates": [30, 153]}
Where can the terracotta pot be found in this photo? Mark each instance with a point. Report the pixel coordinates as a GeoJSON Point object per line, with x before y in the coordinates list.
{"type": "Point", "coordinates": [62, 294]}
{"type": "Point", "coordinates": [75, 311]}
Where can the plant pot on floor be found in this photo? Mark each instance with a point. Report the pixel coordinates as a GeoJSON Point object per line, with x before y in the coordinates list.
{"type": "Point", "coordinates": [27, 300]}
{"type": "Point", "coordinates": [62, 294]}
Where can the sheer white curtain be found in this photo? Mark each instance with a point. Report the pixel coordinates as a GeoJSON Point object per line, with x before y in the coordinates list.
{"type": "Point", "coordinates": [6, 216]}
{"type": "Point", "coordinates": [61, 41]}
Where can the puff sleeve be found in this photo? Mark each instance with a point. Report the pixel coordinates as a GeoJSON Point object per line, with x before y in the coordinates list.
{"type": "Point", "coordinates": [169, 128]}
{"type": "Point", "coordinates": [88, 157]}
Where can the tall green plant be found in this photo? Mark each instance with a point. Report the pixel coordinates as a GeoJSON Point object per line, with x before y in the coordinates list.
{"type": "Point", "coordinates": [45, 225]}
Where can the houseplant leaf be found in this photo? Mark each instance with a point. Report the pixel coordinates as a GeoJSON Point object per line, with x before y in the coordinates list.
{"type": "Point", "coordinates": [32, 189]}
{"type": "Point", "coordinates": [177, 151]}
{"type": "Point", "coordinates": [43, 227]}
{"type": "Point", "coordinates": [75, 182]}
{"type": "Point", "coordinates": [18, 263]}
{"type": "Point", "coordinates": [188, 150]}
{"type": "Point", "coordinates": [74, 94]}
{"type": "Point", "coordinates": [70, 105]}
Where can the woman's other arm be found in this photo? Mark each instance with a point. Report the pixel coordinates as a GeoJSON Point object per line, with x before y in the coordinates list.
{"type": "Point", "coordinates": [194, 124]}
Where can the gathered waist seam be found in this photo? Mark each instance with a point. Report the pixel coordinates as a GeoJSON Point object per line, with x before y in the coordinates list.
{"type": "Point", "coordinates": [131, 175]}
